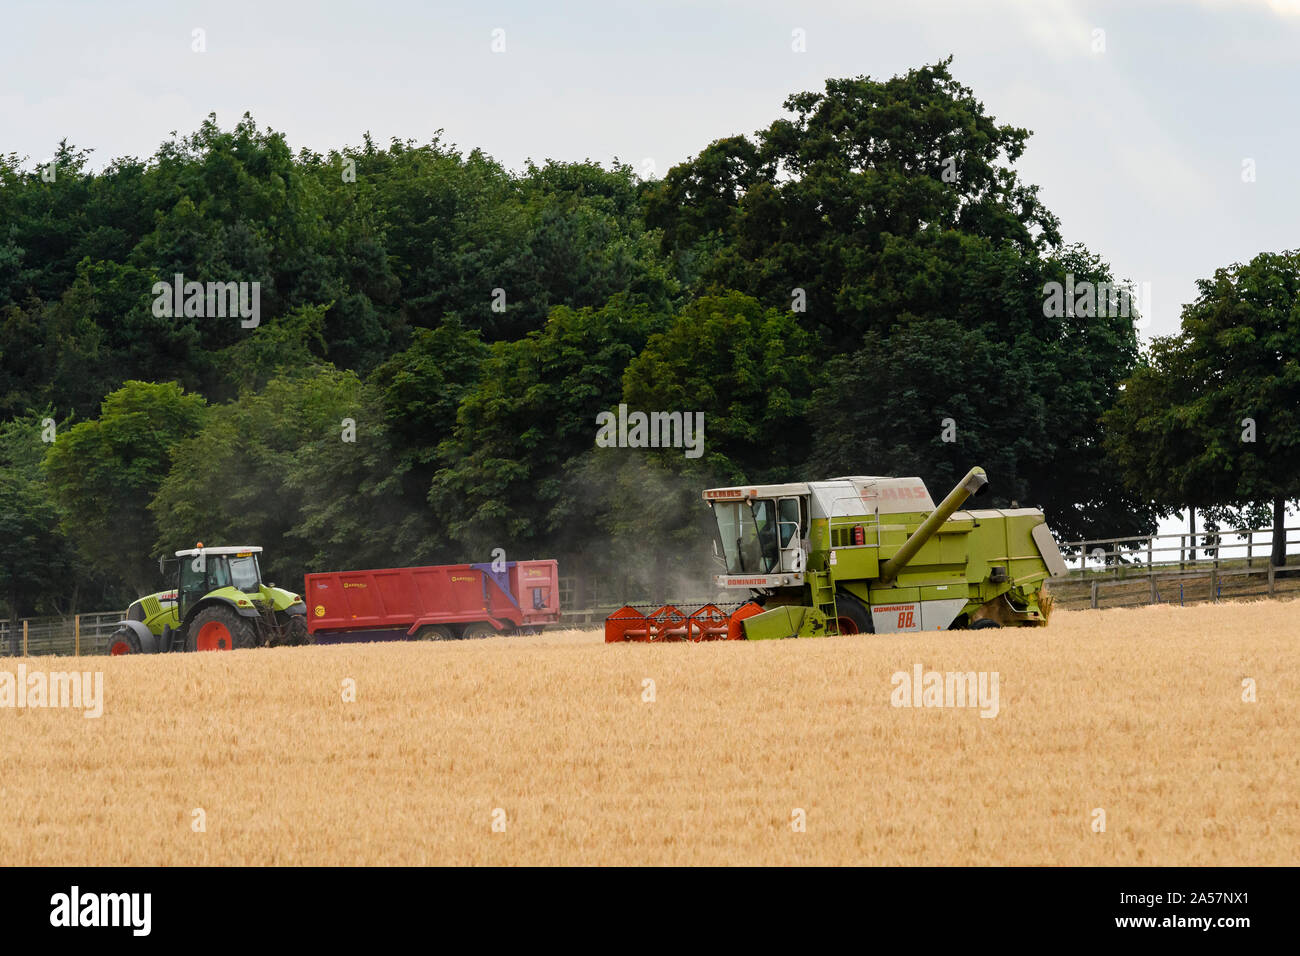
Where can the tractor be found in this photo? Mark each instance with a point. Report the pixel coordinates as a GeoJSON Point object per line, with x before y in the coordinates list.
{"type": "Point", "coordinates": [219, 603]}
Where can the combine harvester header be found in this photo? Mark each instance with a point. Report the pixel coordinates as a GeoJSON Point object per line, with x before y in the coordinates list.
{"type": "Point", "coordinates": [861, 555]}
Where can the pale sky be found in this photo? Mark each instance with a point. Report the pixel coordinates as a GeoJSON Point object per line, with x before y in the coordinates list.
{"type": "Point", "coordinates": [1138, 148]}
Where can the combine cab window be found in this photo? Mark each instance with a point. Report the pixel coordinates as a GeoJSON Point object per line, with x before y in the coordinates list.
{"type": "Point", "coordinates": [749, 535]}
{"type": "Point", "coordinates": [792, 531]}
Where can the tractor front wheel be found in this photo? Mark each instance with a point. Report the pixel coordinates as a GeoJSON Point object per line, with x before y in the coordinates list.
{"type": "Point", "coordinates": [124, 641]}
{"type": "Point", "coordinates": [219, 628]}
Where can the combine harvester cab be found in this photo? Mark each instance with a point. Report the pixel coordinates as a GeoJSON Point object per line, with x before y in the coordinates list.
{"type": "Point", "coordinates": [865, 555]}
{"type": "Point", "coordinates": [442, 602]}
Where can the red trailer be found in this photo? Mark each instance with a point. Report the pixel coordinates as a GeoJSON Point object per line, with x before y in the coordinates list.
{"type": "Point", "coordinates": [440, 603]}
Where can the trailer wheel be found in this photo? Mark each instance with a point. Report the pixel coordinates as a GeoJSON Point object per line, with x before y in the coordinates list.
{"type": "Point", "coordinates": [853, 617]}
{"type": "Point", "coordinates": [435, 632]}
{"type": "Point", "coordinates": [219, 628]}
{"type": "Point", "coordinates": [124, 641]}
{"type": "Point", "coordinates": [477, 631]}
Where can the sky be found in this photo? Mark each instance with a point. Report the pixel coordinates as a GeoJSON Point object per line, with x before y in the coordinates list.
{"type": "Point", "coordinates": [1164, 131]}
{"type": "Point", "coordinates": [1140, 132]}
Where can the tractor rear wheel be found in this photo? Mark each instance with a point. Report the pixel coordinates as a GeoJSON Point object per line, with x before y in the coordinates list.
{"type": "Point", "coordinates": [853, 618]}
{"type": "Point", "coordinates": [478, 630]}
{"type": "Point", "coordinates": [983, 623]}
{"type": "Point", "coordinates": [124, 641]}
{"type": "Point", "coordinates": [296, 633]}
{"type": "Point", "coordinates": [218, 628]}
{"type": "Point", "coordinates": [435, 632]}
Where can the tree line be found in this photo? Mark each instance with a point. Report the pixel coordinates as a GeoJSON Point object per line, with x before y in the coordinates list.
{"type": "Point", "coordinates": [857, 288]}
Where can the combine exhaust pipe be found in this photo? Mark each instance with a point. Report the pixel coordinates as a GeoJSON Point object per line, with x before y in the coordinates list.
{"type": "Point", "coordinates": [973, 484]}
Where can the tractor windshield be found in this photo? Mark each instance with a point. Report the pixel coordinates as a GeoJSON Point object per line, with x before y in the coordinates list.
{"type": "Point", "coordinates": [244, 574]}
{"type": "Point", "coordinates": [748, 533]}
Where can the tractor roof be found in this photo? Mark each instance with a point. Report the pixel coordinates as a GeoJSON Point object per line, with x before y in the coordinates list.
{"type": "Point", "coordinates": [222, 550]}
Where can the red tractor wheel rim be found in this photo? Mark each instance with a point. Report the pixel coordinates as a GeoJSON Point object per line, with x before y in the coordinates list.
{"type": "Point", "coordinates": [118, 648]}
{"type": "Point", "coordinates": [846, 625]}
{"type": "Point", "coordinates": [214, 636]}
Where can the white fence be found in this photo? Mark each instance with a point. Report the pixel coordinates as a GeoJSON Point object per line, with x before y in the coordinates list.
{"type": "Point", "coordinates": [1247, 547]}
{"type": "Point", "coordinates": [1177, 568]}
{"type": "Point", "coordinates": [67, 636]}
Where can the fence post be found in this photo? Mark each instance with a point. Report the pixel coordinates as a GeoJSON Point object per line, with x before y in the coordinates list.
{"type": "Point", "coordinates": [1270, 580]}
{"type": "Point", "coordinates": [1151, 579]}
{"type": "Point", "coordinates": [1094, 595]}
{"type": "Point", "coordinates": [76, 624]}
{"type": "Point", "coordinates": [25, 635]}
{"type": "Point", "coordinates": [1214, 579]}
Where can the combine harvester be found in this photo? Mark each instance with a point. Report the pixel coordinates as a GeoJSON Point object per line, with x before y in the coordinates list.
{"type": "Point", "coordinates": [864, 555]}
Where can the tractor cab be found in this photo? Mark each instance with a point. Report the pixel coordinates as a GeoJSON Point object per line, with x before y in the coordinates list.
{"type": "Point", "coordinates": [204, 570]}
{"type": "Point", "coordinates": [762, 529]}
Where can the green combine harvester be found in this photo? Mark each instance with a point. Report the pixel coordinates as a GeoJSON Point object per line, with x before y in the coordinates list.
{"type": "Point", "coordinates": [862, 555]}
{"type": "Point", "coordinates": [219, 603]}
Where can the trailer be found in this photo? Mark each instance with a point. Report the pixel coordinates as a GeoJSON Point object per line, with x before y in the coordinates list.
{"type": "Point", "coordinates": [440, 602]}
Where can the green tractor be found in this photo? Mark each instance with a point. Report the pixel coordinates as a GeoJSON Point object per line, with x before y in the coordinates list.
{"type": "Point", "coordinates": [219, 603]}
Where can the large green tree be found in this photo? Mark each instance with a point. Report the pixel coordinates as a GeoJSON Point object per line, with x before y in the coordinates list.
{"type": "Point", "coordinates": [233, 481]}
{"type": "Point", "coordinates": [979, 369]}
{"type": "Point", "coordinates": [820, 200]}
{"type": "Point", "coordinates": [531, 414]}
{"type": "Point", "coordinates": [36, 563]}
{"type": "Point", "coordinates": [1211, 417]}
{"type": "Point", "coordinates": [103, 474]}
{"type": "Point", "coordinates": [749, 371]}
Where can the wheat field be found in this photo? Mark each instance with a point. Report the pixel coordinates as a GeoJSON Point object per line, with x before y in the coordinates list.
{"type": "Point", "coordinates": [547, 750]}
